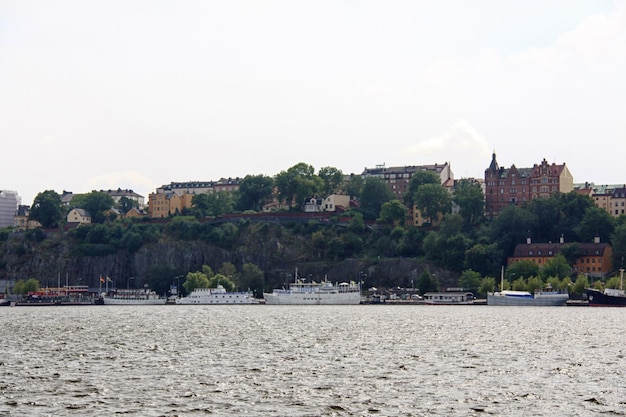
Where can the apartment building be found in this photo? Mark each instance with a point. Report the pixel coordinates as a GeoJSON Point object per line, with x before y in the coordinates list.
{"type": "Point", "coordinates": [594, 260]}
{"type": "Point", "coordinates": [398, 178]}
{"type": "Point", "coordinates": [610, 198]}
{"type": "Point", "coordinates": [173, 198]}
{"type": "Point", "coordinates": [9, 201]}
{"type": "Point", "coordinates": [516, 186]}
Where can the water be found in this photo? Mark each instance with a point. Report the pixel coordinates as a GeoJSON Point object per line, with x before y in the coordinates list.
{"type": "Point", "coordinates": [259, 360]}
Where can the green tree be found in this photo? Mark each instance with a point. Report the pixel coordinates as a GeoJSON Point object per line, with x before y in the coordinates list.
{"type": "Point", "coordinates": [297, 183]}
{"type": "Point", "coordinates": [212, 204]}
{"type": "Point", "coordinates": [470, 280]}
{"type": "Point", "coordinates": [125, 204]}
{"type": "Point", "coordinates": [488, 284]}
{"type": "Point", "coordinates": [254, 192]}
{"type": "Point", "coordinates": [96, 203]}
{"type": "Point", "coordinates": [374, 194]}
{"type": "Point", "coordinates": [252, 278]}
{"type": "Point", "coordinates": [555, 267]}
{"type": "Point", "coordinates": [483, 258]}
{"type": "Point", "coordinates": [519, 284]}
{"type": "Point", "coordinates": [512, 226]}
{"type": "Point", "coordinates": [24, 287]}
{"type": "Point", "coordinates": [418, 179]}
{"type": "Point", "coordinates": [596, 222]}
{"type": "Point", "coordinates": [223, 280]}
{"type": "Point", "coordinates": [335, 248]}
{"type": "Point", "coordinates": [332, 179]}
{"type": "Point", "coordinates": [356, 223]}
{"type": "Point", "coordinates": [534, 284]}
{"type": "Point", "coordinates": [453, 254]}
{"type": "Point", "coordinates": [354, 185]}
{"type": "Point", "coordinates": [571, 252]}
{"type": "Point", "coordinates": [195, 280]}
{"type": "Point", "coordinates": [208, 271]}
{"type": "Point", "coordinates": [547, 211]}
{"type": "Point", "coordinates": [47, 209]}
{"type": "Point", "coordinates": [572, 207]}
{"type": "Point", "coordinates": [229, 270]}
{"type": "Point", "coordinates": [522, 269]}
{"type": "Point", "coordinates": [582, 282]}
{"type": "Point", "coordinates": [427, 282]}
{"type": "Point", "coordinates": [469, 197]}
{"type": "Point", "coordinates": [393, 212]}
{"type": "Point", "coordinates": [352, 244]}
{"type": "Point", "coordinates": [432, 200]}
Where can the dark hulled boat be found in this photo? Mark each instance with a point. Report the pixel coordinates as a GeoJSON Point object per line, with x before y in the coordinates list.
{"type": "Point", "coordinates": [610, 297]}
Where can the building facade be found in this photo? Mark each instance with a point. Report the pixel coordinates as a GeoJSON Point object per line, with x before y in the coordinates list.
{"type": "Point", "coordinates": [610, 198]}
{"type": "Point", "coordinates": [594, 259]}
{"type": "Point", "coordinates": [516, 186]}
{"type": "Point", "coordinates": [173, 198]}
{"type": "Point", "coordinates": [398, 178]}
{"type": "Point", "coordinates": [9, 202]}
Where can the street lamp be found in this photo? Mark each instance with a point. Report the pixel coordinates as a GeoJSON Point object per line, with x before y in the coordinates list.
{"type": "Point", "coordinates": [128, 281]}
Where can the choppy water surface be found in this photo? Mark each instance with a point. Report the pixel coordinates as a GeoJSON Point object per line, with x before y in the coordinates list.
{"type": "Point", "coordinates": [312, 361]}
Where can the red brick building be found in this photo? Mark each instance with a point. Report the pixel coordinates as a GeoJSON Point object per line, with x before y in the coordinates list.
{"type": "Point", "coordinates": [516, 186]}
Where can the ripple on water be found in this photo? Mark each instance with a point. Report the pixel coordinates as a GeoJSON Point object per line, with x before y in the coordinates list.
{"type": "Point", "coordinates": [311, 361]}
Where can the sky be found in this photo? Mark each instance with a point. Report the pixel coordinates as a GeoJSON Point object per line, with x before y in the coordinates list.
{"type": "Point", "coordinates": [136, 94]}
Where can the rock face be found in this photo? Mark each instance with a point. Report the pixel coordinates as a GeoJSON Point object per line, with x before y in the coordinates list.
{"type": "Point", "coordinates": [158, 264]}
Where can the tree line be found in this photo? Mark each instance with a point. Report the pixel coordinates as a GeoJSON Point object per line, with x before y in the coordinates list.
{"type": "Point", "coordinates": [455, 236]}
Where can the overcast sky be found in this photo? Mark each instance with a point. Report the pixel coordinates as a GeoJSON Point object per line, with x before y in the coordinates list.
{"type": "Point", "coordinates": [136, 94]}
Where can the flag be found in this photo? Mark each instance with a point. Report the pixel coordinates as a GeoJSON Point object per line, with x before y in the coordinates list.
{"type": "Point", "coordinates": [101, 279]}
{"type": "Point", "coordinates": [109, 279]}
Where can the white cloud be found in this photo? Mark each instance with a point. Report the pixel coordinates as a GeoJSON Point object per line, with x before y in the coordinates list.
{"type": "Point", "coordinates": [461, 145]}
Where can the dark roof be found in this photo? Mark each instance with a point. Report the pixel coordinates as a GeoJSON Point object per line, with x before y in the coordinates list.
{"type": "Point", "coordinates": [528, 250]}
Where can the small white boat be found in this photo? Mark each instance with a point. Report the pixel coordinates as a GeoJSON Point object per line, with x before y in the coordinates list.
{"type": "Point", "coordinates": [217, 295]}
{"type": "Point", "coordinates": [449, 298]}
{"type": "Point", "coordinates": [133, 297]}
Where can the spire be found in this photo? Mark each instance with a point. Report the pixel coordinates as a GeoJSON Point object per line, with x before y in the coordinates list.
{"type": "Point", "coordinates": [494, 164]}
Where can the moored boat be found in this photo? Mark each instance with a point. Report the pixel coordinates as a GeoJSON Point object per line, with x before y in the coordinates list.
{"type": "Point", "coordinates": [133, 297]}
{"type": "Point", "coordinates": [610, 297]}
{"type": "Point", "coordinates": [63, 296]}
{"type": "Point", "coordinates": [449, 298]}
{"type": "Point", "coordinates": [315, 293]}
{"type": "Point", "coordinates": [544, 298]}
{"type": "Point", "coordinates": [525, 298]}
{"type": "Point", "coordinates": [217, 295]}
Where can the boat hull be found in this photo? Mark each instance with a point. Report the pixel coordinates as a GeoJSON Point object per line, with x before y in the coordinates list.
{"type": "Point", "coordinates": [599, 299]}
{"type": "Point", "coordinates": [128, 302]}
{"type": "Point", "coordinates": [351, 298]}
{"type": "Point", "coordinates": [206, 297]}
{"type": "Point", "coordinates": [536, 301]}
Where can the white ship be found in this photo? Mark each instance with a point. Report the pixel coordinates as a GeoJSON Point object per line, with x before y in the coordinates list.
{"type": "Point", "coordinates": [217, 295]}
{"type": "Point", "coordinates": [314, 293]}
{"type": "Point", "coordinates": [133, 297]}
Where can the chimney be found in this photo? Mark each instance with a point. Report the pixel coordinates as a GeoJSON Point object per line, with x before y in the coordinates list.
{"type": "Point", "coordinates": [528, 241]}
{"type": "Point", "coordinates": [596, 239]}
{"type": "Point", "coordinates": [562, 240]}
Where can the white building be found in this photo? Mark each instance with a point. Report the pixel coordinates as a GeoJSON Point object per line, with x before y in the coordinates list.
{"type": "Point", "coordinates": [9, 201]}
